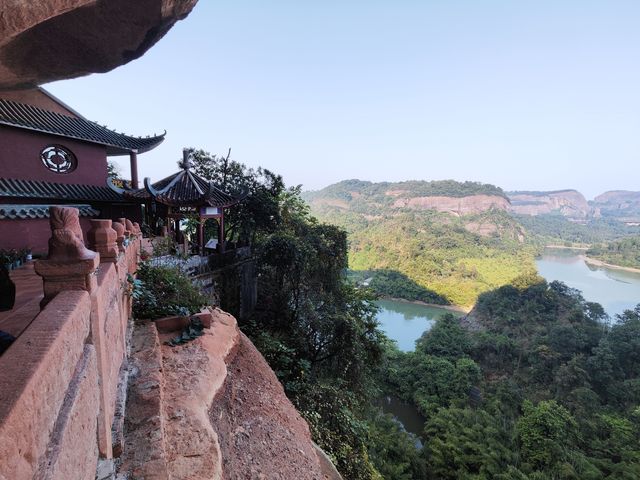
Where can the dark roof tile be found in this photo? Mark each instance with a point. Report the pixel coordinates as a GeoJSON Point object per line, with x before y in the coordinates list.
{"type": "Point", "coordinates": [13, 188]}
{"type": "Point", "coordinates": [25, 116]}
{"type": "Point", "coordinates": [20, 212]}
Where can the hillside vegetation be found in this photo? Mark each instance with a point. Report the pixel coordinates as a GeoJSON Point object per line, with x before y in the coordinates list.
{"type": "Point", "coordinates": [423, 254]}
{"type": "Point", "coordinates": [540, 389]}
{"type": "Point", "coordinates": [378, 193]}
{"type": "Point", "coordinates": [558, 230]}
{"type": "Point", "coordinates": [625, 252]}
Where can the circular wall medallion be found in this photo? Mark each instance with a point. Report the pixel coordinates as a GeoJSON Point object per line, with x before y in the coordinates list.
{"type": "Point", "coordinates": [58, 159]}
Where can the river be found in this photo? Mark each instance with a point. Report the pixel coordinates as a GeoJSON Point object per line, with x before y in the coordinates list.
{"type": "Point", "coordinates": [616, 290]}
{"type": "Point", "coordinates": [405, 322]}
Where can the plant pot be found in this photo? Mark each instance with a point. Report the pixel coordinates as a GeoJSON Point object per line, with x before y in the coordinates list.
{"type": "Point", "coordinates": [7, 291]}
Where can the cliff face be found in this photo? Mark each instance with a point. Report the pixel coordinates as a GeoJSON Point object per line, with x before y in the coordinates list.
{"type": "Point", "coordinates": [212, 409]}
{"type": "Point", "coordinates": [621, 204]}
{"type": "Point", "coordinates": [448, 196]}
{"type": "Point", "coordinates": [455, 205]}
{"type": "Point", "coordinates": [569, 203]}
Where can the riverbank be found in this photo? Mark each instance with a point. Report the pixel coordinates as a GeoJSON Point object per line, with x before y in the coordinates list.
{"type": "Point", "coordinates": [451, 308]}
{"type": "Point", "coordinates": [600, 263]}
{"type": "Point", "coordinates": [564, 247]}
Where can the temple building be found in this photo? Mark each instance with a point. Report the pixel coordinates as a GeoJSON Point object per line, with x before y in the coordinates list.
{"type": "Point", "coordinates": [52, 155]}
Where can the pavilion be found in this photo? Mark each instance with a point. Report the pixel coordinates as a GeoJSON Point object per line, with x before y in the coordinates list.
{"type": "Point", "coordinates": [185, 194]}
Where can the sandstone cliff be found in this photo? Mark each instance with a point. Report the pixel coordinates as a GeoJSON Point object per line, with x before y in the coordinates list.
{"type": "Point", "coordinates": [569, 203]}
{"type": "Point", "coordinates": [212, 409]}
{"type": "Point", "coordinates": [455, 205]}
{"type": "Point", "coordinates": [621, 204]}
{"type": "Point", "coordinates": [448, 196]}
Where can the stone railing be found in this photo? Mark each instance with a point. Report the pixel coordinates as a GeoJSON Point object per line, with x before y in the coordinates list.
{"type": "Point", "coordinates": [60, 378]}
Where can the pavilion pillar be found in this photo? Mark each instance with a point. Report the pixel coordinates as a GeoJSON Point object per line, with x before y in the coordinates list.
{"type": "Point", "coordinates": [133, 160]}
{"type": "Point", "coordinates": [200, 236]}
{"type": "Point", "coordinates": [221, 232]}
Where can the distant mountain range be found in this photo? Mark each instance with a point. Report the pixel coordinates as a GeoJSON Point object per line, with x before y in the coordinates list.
{"type": "Point", "coordinates": [472, 197]}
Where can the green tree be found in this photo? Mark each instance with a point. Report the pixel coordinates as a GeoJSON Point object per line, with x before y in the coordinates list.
{"type": "Point", "coordinates": [547, 434]}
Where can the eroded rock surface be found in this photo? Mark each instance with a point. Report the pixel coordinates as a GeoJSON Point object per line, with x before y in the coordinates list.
{"type": "Point", "coordinates": [212, 409]}
{"type": "Point", "coordinates": [569, 203]}
{"type": "Point", "coordinates": [455, 205]}
{"type": "Point", "coordinates": [261, 434]}
{"type": "Point", "coordinates": [47, 40]}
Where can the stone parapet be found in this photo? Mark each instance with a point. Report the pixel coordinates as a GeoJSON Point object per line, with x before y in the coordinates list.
{"type": "Point", "coordinates": [60, 378]}
{"type": "Point", "coordinates": [37, 372]}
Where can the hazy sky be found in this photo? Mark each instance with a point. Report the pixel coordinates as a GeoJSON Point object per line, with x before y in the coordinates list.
{"type": "Point", "coordinates": [522, 94]}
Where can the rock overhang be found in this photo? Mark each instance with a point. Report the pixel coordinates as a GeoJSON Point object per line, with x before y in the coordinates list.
{"type": "Point", "coordinates": [53, 40]}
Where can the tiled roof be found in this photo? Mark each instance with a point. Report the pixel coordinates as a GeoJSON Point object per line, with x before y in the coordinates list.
{"type": "Point", "coordinates": [25, 116]}
{"type": "Point", "coordinates": [12, 188]}
{"type": "Point", "coordinates": [184, 189]}
{"type": "Point", "coordinates": [19, 212]}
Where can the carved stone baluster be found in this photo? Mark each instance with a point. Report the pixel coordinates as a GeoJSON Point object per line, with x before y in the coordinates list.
{"type": "Point", "coordinates": [102, 238]}
{"type": "Point", "coordinates": [120, 235]}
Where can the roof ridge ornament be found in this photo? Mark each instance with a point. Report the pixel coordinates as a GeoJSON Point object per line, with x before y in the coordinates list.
{"type": "Point", "coordinates": [186, 159]}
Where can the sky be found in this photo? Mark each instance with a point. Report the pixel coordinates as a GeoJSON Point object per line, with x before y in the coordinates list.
{"type": "Point", "coordinates": [526, 95]}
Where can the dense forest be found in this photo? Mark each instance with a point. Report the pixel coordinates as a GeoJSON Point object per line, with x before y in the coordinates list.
{"type": "Point", "coordinates": [537, 386]}
{"type": "Point", "coordinates": [558, 230]}
{"type": "Point", "coordinates": [378, 193]}
{"type": "Point", "coordinates": [535, 383]}
{"type": "Point", "coordinates": [625, 252]}
{"type": "Point", "coordinates": [424, 254]}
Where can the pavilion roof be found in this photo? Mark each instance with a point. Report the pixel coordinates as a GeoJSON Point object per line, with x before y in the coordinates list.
{"type": "Point", "coordinates": [183, 189]}
{"type": "Point", "coordinates": [28, 117]}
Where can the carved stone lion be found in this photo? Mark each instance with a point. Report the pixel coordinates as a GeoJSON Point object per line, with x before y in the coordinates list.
{"type": "Point", "coordinates": [66, 242]}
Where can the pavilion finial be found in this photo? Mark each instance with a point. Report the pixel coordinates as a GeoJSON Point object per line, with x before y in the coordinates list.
{"type": "Point", "coordinates": [186, 159]}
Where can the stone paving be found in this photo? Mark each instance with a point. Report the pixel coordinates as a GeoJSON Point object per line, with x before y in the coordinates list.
{"type": "Point", "coordinates": [28, 295]}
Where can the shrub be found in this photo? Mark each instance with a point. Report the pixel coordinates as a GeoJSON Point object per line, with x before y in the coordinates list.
{"type": "Point", "coordinates": [162, 291]}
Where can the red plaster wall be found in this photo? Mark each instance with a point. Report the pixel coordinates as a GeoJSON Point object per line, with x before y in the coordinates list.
{"type": "Point", "coordinates": [31, 233]}
{"type": "Point", "coordinates": [20, 158]}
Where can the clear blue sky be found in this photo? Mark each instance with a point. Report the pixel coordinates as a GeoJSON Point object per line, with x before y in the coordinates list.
{"type": "Point", "coordinates": [522, 94]}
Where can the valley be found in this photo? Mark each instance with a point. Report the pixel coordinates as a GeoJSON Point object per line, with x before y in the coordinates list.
{"type": "Point", "coordinates": [447, 242]}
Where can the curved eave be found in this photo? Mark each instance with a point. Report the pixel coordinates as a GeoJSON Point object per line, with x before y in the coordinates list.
{"type": "Point", "coordinates": [153, 142]}
{"type": "Point", "coordinates": [112, 149]}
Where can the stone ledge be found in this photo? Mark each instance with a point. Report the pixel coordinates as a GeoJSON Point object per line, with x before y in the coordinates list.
{"type": "Point", "coordinates": [167, 429]}
{"type": "Point", "coordinates": [199, 368]}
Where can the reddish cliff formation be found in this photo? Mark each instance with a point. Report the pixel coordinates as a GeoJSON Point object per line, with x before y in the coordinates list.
{"type": "Point", "coordinates": [569, 203]}
{"type": "Point", "coordinates": [42, 41]}
{"type": "Point", "coordinates": [212, 409]}
{"type": "Point", "coordinates": [621, 204]}
{"type": "Point", "coordinates": [454, 205]}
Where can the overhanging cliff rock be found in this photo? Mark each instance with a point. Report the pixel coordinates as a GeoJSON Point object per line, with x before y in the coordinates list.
{"type": "Point", "coordinates": [57, 39]}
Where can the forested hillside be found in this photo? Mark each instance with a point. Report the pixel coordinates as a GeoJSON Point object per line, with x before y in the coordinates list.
{"type": "Point", "coordinates": [540, 388]}
{"type": "Point", "coordinates": [422, 253]}
{"type": "Point", "coordinates": [558, 230]}
{"type": "Point", "coordinates": [625, 252]}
